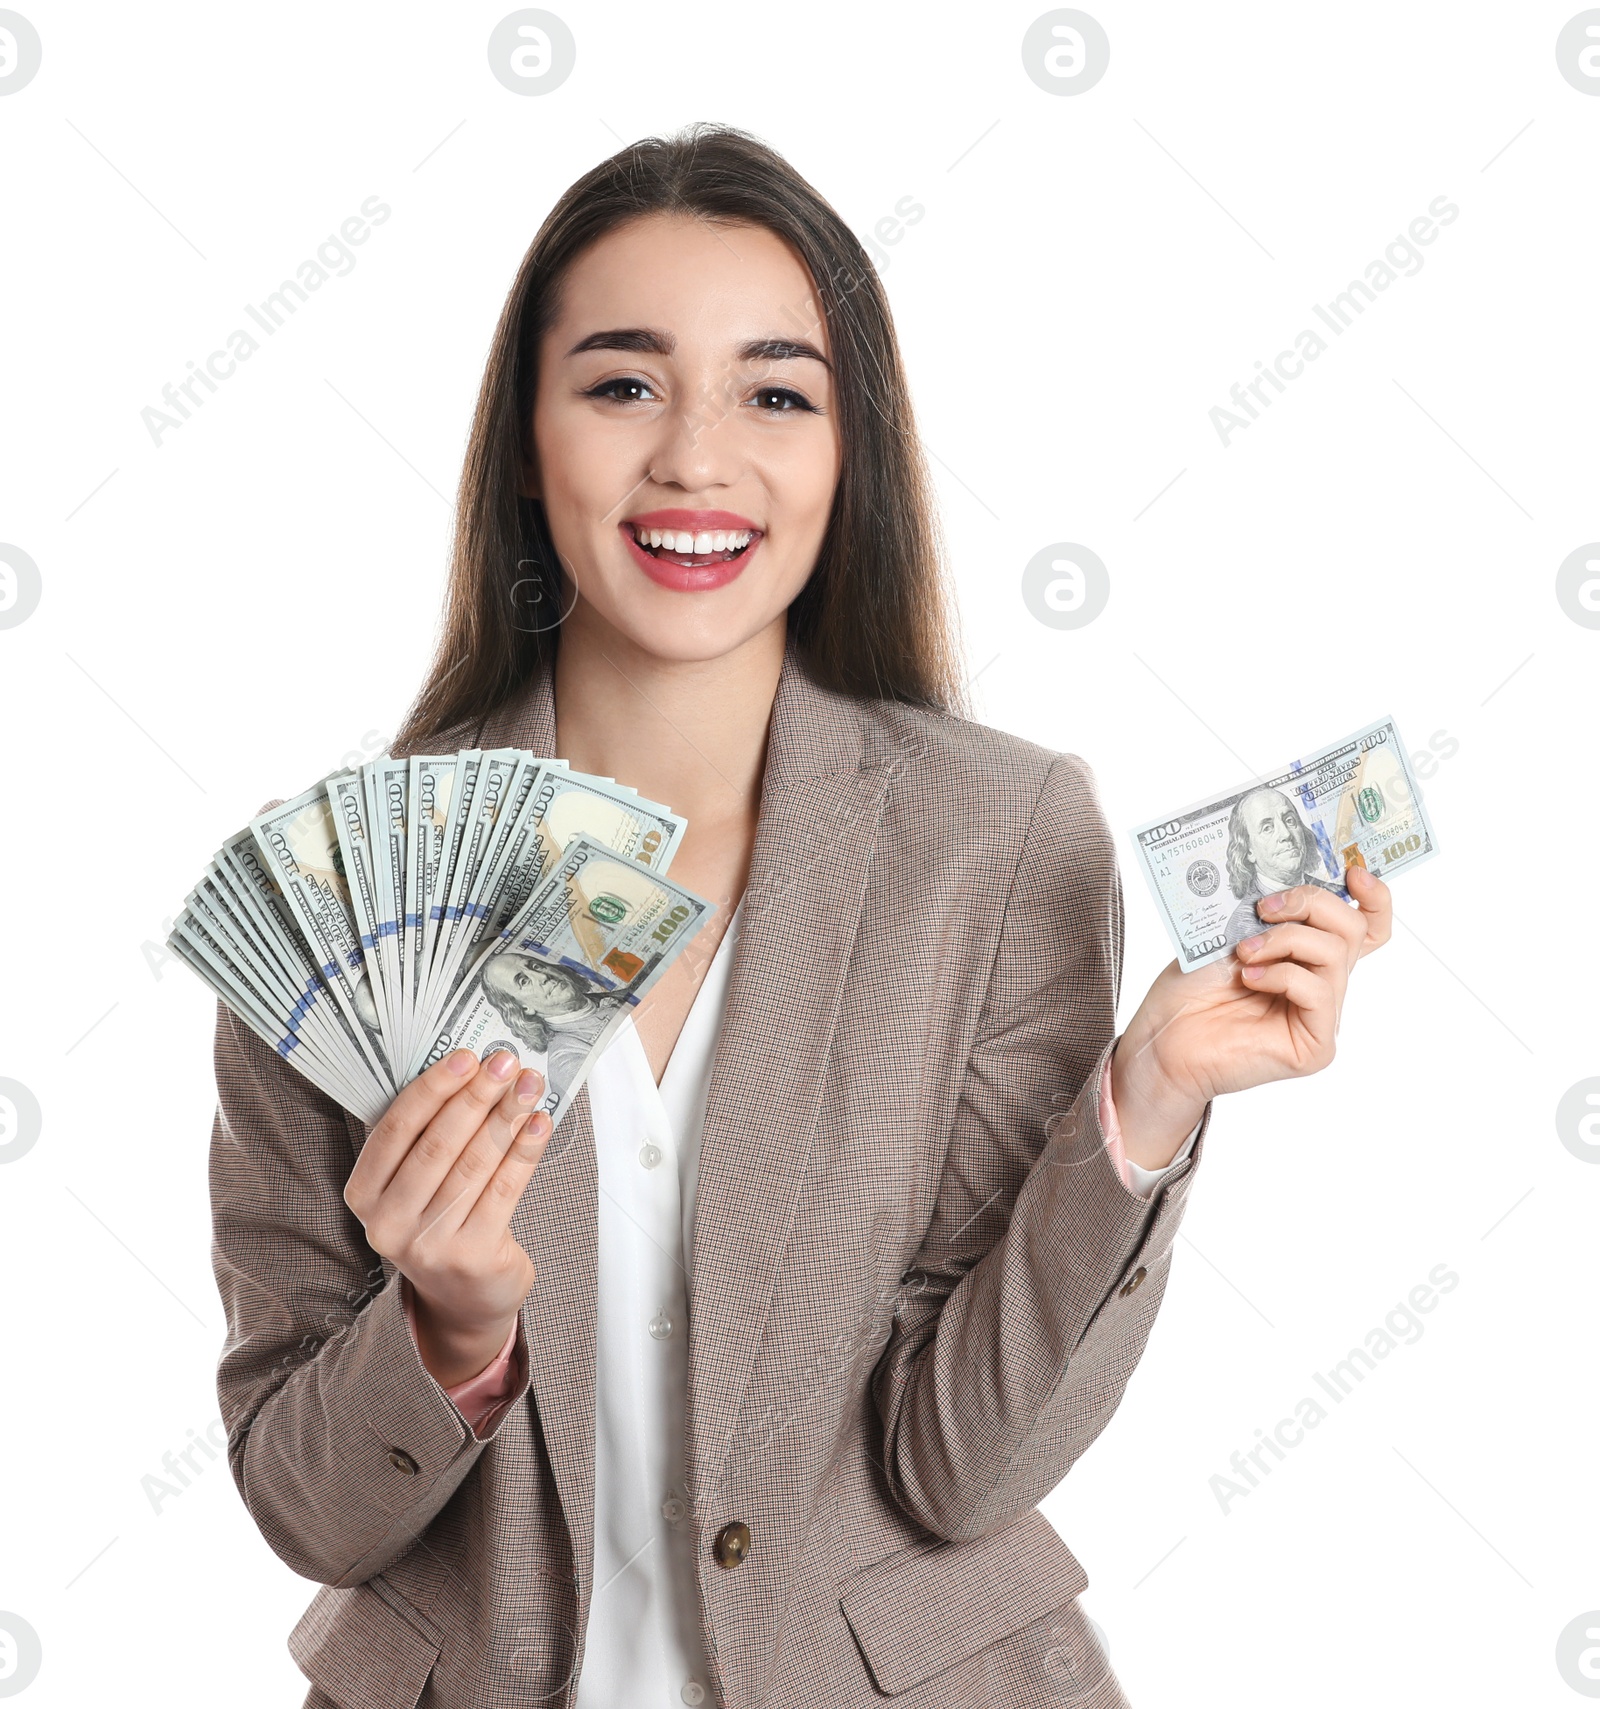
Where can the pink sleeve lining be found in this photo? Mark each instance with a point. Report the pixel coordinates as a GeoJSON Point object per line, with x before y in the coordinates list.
{"type": "Point", "coordinates": [1112, 1128]}
{"type": "Point", "coordinates": [478, 1396]}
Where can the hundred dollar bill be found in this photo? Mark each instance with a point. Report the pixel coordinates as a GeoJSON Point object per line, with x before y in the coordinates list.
{"type": "Point", "coordinates": [252, 962]}
{"type": "Point", "coordinates": [564, 805]}
{"type": "Point", "coordinates": [347, 804]}
{"type": "Point", "coordinates": [301, 845]}
{"type": "Point", "coordinates": [431, 780]}
{"type": "Point", "coordinates": [598, 931]}
{"type": "Point", "coordinates": [1354, 803]}
{"type": "Point", "coordinates": [268, 1019]}
{"type": "Point", "coordinates": [488, 788]}
{"type": "Point", "coordinates": [384, 783]}
{"type": "Point", "coordinates": [550, 808]}
{"type": "Point", "coordinates": [239, 870]}
{"type": "Point", "coordinates": [185, 952]}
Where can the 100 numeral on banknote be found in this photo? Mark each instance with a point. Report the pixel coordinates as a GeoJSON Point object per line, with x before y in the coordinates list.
{"type": "Point", "coordinates": [1355, 803]}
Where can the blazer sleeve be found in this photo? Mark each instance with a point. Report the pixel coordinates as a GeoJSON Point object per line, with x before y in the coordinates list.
{"type": "Point", "coordinates": [341, 1442]}
{"type": "Point", "coordinates": [1039, 1276]}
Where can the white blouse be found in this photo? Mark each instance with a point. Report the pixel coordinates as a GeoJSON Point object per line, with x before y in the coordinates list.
{"type": "Point", "coordinates": [644, 1643]}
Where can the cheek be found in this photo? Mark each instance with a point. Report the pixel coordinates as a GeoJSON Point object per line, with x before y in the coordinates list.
{"type": "Point", "coordinates": [801, 485]}
{"type": "Point", "coordinates": [821, 473]}
{"type": "Point", "coordinates": [578, 466]}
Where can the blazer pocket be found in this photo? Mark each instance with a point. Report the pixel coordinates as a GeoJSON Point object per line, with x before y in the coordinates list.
{"type": "Point", "coordinates": [921, 1611]}
{"type": "Point", "coordinates": [361, 1649]}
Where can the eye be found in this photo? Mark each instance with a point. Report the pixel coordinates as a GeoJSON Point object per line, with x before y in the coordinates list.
{"type": "Point", "coordinates": [788, 401]}
{"type": "Point", "coordinates": [608, 389]}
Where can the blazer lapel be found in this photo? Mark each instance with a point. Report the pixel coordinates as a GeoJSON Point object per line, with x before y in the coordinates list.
{"type": "Point", "coordinates": [555, 1223]}
{"type": "Point", "coordinates": [820, 809]}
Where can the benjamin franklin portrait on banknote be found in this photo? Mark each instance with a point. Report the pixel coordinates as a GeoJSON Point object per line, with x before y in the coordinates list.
{"type": "Point", "coordinates": [1270, 848]}
{"type": "Point", "coordinates": [551, 1009]}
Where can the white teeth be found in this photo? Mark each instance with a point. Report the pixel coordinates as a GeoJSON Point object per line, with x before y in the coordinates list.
{"type": "Point", "coordinates": [695, 545]}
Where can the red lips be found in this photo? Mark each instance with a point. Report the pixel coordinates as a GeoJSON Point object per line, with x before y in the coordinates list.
{"type": "Point", "coordinates": [695, 521]}
{"type": "Point", "coordinates": [691, 577]}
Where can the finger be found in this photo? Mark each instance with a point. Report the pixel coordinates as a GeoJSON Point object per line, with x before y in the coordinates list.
{"type": "Point", "coordinates": [1319, 907]}
{"type": "Point", "coordinates": [1314, 1012]}
{"type": "Point", "coordinates": [1376, 904]}
{"type": "Point", "coordinates": [434, 1151]}
{"type": "Point", "coordinates": [478, 1159]}
{"type": "Point", "coordinates": [491, 1212]}
{"type": "Point", "coordinates": [413, 1108]}
{"type": "Point", "coordinates": [1295, 941]}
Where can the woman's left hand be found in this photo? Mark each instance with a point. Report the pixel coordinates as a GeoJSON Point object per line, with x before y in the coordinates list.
{"type": "Point", "coordinates": [1268, 1012]}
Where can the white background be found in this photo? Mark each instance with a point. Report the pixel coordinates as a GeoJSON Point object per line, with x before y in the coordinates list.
{"type": "Point", "coordinates": [228, 615]}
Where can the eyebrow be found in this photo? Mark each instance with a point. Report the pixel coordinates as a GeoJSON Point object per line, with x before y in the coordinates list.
{"type": "Point", "coordinates": [649, 341]}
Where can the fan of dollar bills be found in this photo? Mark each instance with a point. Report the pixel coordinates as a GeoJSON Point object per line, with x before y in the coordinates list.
{"type": "Point", "coordinates": [409, 907]}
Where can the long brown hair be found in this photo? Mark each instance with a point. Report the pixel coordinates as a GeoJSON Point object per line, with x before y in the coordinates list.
{"type": "Point", "coordinates": [875, 618]}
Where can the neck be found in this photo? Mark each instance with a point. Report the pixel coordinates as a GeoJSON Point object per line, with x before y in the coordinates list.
{"type": "Point", "coordinates": [689, 732]}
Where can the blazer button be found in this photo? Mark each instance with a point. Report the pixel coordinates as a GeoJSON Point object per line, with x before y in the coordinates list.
{"type": "Point", "coordinates": [732, 1544]}
{"type": "Point", "coordinates": [402, 1461]}
{"type": "Point", "coordinates": [1132, 1282]}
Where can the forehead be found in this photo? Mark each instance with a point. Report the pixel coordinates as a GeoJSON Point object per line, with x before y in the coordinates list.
{"type": "Point", "coordinates": [1262, 803]}
{"type": "Point", "coordinates": [709, 284]}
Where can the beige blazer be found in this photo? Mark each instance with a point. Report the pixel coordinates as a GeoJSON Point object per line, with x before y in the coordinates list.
{"type": "Point", "coordinates": [919, 1286]}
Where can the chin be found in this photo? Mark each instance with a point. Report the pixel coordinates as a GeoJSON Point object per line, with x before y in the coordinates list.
{"type": "Point", "coordinates": [681, 628]}
{"type": "Point", "coordinates": [687, 641]}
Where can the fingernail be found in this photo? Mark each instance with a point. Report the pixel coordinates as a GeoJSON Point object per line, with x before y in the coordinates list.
{"type": "Point", "coordinates": [1254, 971]}
{"type": "Point", "coordinates": [461, 1062]}
{"type": "Point", "coordinates": [528, 1087]}
{"type": "Point", "coordinates": [1272, 903]}
{"type": "Point", "coordinates": [502, 1065]}
{"type": "Point", "coordinates": [1254, 943]}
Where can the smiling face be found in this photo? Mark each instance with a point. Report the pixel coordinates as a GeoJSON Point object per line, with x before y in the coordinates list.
{"type": "Point", "coordinates": [685, 402]}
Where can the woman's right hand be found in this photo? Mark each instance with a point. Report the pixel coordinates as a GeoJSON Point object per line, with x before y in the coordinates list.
{"type": "Point", "coordinates": [435, 1186]}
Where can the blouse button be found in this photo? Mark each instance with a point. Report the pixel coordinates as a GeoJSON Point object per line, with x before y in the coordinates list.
{"type": "Point", "coordinates": [672, 1510]}
{"type": "Point", "coordinates": [693, 1691]}
{"type": "Point", "coordinates": [661, 1326]}
{"type": "Point", "coordinates": [649, 1156]}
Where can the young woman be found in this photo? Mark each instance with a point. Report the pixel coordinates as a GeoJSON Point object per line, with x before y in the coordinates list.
{"type": "Point", "coordinates": [746, 1389]}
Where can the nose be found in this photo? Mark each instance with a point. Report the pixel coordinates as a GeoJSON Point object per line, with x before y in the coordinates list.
{"type": "Point", "coordinates": [697, 444]}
